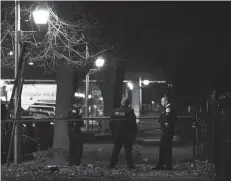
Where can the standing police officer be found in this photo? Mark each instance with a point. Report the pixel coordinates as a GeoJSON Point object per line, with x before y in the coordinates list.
{"type": "Point", "coordinates": [167, 121]}
{"type": "Point", "coordinates": [124, 133]}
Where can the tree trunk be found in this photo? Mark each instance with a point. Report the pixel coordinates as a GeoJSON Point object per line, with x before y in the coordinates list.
{"type": "Point", "coordinates": [66, 86]}
{"type": "Point", "coordinates": [111, 89]}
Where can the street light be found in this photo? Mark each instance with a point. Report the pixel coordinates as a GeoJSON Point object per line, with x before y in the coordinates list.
{"type": "Point", "coordinates": [146, 82]}
{"type": "Point", "coordinates": [40, 17]}
{"type": "Point", "coordinates": [11, 53]}
{"type": "Point", "coordinates": [31, 63]}
{"type": "Point", "coordinates": [130, 85]}
{"type": "Point", "coordinates": [99, 63]}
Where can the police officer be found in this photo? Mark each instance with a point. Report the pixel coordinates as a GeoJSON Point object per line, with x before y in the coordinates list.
{"type": "Point", "coordinates": [167, 125]}
{"type": "Point", "coordinates": [124, 133]}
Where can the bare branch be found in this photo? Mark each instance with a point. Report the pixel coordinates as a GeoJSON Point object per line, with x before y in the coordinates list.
{"type": "Point", "coordinates": [63, 41]}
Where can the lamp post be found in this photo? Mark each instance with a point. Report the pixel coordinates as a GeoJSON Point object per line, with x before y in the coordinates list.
{"type": "Point", "coordinates": [99, 63]}
{"type": "Point", "coordinates": [16, 50]}
{"type": "Point", "coordinates": [37, 15]}
{"type": "Point", "coordinates": [140, 86]}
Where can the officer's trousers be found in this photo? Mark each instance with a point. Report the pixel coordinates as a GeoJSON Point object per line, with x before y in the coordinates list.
{"type": "Point", "coordinates": [165, 151]}
{"type": "Point", "coordinates": [127, 142]}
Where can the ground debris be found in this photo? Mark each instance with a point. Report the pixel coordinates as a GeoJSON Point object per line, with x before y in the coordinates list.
{"type": "Point", "coordinates": [99, 170]}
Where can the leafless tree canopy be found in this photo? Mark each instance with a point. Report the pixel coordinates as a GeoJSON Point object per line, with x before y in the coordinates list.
{"type": "Point", "coordinates": [61, 40]}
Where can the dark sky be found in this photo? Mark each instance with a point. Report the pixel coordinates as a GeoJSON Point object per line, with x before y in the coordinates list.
{"type": "Point", "coordinates": [189, 41]}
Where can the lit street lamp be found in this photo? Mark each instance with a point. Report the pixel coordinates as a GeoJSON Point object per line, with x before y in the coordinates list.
{"type": "Point", "coordinates": [146, 82]}
{"type": "Point", "coordinates": [31, 63]}
{"type": "Point", "coordinates": [99, 63]}
{"type": "Point", "coordinates": [11, 53]}
{"type": "Point", "coordinates": [40, 17]}
{"type": "Point", "coordinates": [130, 85]}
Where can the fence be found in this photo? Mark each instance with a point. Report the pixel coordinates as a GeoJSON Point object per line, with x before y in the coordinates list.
{"type": "Point", "coordinates": [195, 130]}
{"type": "Point", "coordinates": [146, 123]}
{"type": "Point", "coordinates": [148, 127]}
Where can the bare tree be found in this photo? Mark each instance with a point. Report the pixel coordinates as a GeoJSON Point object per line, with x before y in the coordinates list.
{"type": "Point", "coordinates": [61, 41]}
{"type": "Point", "coordinates": [64, 48]}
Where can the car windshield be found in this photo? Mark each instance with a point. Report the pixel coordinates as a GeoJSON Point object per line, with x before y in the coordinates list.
{"type": "Point", "coordinates": [41, 108]}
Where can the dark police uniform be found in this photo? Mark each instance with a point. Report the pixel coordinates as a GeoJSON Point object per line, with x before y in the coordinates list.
{"type": "Point", "coordinates": [165, 152]}
{"type": "Point", "coordinates": [124, 134]}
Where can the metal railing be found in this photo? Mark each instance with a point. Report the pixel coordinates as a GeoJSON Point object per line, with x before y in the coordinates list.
{"type": "Point", "coordinates": [25, 119]}
{"type": "Point", "coordinates": [95, 124]}
{"type": "Point", "coordinates": [143, 120]}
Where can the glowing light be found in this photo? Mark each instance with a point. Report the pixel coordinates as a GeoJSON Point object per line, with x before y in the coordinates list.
{"type": "Point", "coordinates": [100, 61]}
{"type": "Point", "coordinates": [11, 53]}
{"type": "Point", "coordinates": [130, 85]}
{"type": "Point", "coordinates": [79, 95]}
{"type": "Point", "coordinates": [2, 83]}
{"type": "Point", "coordinates": [146, 82]}
{"type": "Point", "coordinates": [41, 16]}
{"type": "Point", "coordinates": [31, 63]}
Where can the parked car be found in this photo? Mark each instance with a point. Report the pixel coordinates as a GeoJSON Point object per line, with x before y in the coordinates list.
{"type": "Point", "coordinates": [50, 110]}
{"type": "Point", "coordinates": [27, 131]}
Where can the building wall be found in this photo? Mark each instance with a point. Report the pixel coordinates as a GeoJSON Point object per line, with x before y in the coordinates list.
{"type": "Point", "coordinates": [34, 92]}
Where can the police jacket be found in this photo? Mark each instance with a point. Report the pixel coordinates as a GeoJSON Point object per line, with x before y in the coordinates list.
{"type": "Point", "coordinates": [162, 120]}
{"type": "Point", "coordinates": [170, 118]}
{"type": "Point", "coordinates": [127, 124]}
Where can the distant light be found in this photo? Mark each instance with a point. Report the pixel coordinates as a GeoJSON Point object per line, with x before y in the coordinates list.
{"type": "Point", "coordinates": [41, 16]}
{"type": "Point", "coordinates": [146, 82]}
{"type": "Point", "coordinates": [89, 96]}
{"type": "Point", "coordinates": [79, 95]}
{"type": "Point", "coordinates": [3, 98]}
{"type": "Point", "coordinates": [100, 61]}
{"type": "Point", "coordinates": [153, 102]}
{"type": "Point", "coordinates": [160, 82]}
{"type": "Point", "coordinates": [31, 63]}
{"type": "Point", "coordinates": [101, 98]}
{"type": "Point", "coordinates": [130, 85]}
{"type": "Point", "coordinates": [11, 53]}
{"type": "Point", "coordinates": [52, 123]}
{"type": "Point", "coordinates": [2, 83]}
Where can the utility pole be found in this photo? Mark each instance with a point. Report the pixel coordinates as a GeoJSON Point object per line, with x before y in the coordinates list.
{"type": "Point", "coordinates": [17, 54]}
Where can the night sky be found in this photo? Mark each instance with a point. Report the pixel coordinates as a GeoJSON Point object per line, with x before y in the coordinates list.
{"type": "Point", "coordinates": [189, 41]}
